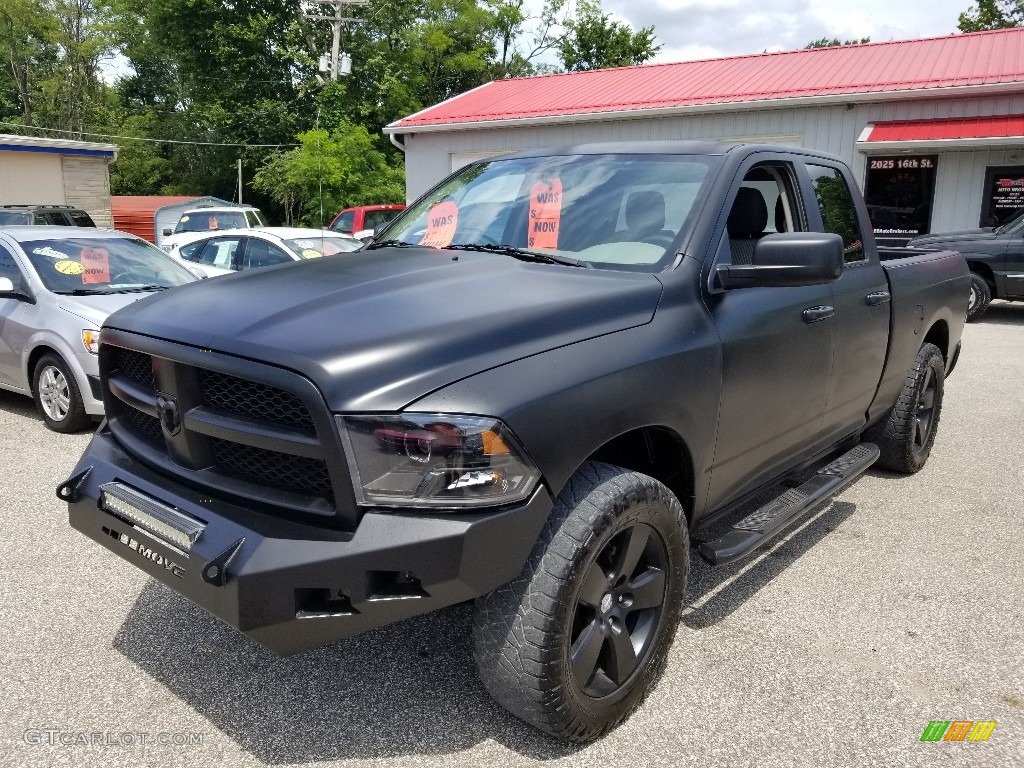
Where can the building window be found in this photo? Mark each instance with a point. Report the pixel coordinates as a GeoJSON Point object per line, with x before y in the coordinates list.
{"type": "Point", "coordinates": [899, 193]}
{"type": "Point", "coordinates": [1004, 195]}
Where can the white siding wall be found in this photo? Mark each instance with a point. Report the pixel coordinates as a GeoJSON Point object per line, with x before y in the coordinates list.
{"type": "Point", "coordinates": [30, 177]}
{"type": "Point", "coordinates": [832, 129]}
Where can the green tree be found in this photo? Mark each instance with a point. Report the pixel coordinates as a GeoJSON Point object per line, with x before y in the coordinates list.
{"type": "Point", "coordinates": [29, 54]}
{"type": "Point", "coordinates": [830, 42]}
{"type": "Point", "coordinates": [330, 171]}
{"type": "Point", "coordinates": [992, 14]}
{"type": "Point", "coordinates": [594, 41]}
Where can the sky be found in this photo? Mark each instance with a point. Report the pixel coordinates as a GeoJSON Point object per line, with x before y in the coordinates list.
{"type": "Point", "coordinates": [705, 29]}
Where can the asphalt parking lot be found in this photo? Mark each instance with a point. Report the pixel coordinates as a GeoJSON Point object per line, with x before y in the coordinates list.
{"type": "Point", "coordinates": [899, 604]}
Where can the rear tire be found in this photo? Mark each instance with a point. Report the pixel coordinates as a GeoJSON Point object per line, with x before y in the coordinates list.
{"type": "Point", "coordinates": [906, 435]}
{"type": "Point", "coordinates": [981, 297]}
{"type": "Point", "coordinates": [57, 397]}
{"type": "Point", "coordinates": [574, 644]}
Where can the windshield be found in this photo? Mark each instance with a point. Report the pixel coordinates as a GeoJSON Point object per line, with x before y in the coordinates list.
{"type": "Point", "coordinates": [1012, 227]}
{"type": "Point", "coordinates": [326, 244]}
{"type": "Point", "coordinates": [204, 221]}
{"type": "Point", "coordinates": [103, 265]}
{"type": "Point", "coordinates": [608, 211]}
{"type": "Point", "coordinates": [14, 217]}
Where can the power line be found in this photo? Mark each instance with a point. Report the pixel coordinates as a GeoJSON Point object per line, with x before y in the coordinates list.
{"type": "Point", "coordinates": [139, 138]}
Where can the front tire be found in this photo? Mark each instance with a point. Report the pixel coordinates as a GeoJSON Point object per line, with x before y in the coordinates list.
{"type": "Point", "coordinates": [57, 396]}
{"type": "Point", "coordinates": [906, 435]}
{"type": "Point", "coordinates": [981, 297]}
{"type": "Point", "coordinates": [574, 644]}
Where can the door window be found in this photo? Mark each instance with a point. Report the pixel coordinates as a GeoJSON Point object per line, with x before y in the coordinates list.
{"type": "Point", "coordinates": [345, 222]}
{"type": "Point", "coordinates": [9, 269]}
{"type": "Point", "coordinates": [218, 252]}
{"type": "Point", "coordinates": [838, 211]}
{"type": "Point", "coordinates": [260, 253]}
{"type": "Point", "coordinates": [765, 203]}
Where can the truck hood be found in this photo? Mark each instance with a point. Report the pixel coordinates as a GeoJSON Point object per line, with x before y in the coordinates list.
{"type": "Point", "coordinates": [376, 330]}
{"type": "Point", "coordinates": [95, 309]}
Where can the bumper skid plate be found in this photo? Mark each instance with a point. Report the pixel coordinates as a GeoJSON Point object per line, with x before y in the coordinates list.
{"type": "Point", "coordinates": [288, 585]}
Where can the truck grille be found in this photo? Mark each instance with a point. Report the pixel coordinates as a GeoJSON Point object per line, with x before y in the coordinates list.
{"type": "Point", "coordinates": [278, 470]}
{"type": "Point", "coordinates": [250, 398]}
{"type": "Point", "coordinates": [218, 430]}
{"type": "Point", "coordinates": [137, 367]}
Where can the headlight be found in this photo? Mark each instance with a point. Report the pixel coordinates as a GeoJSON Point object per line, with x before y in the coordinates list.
{"type": "Point", "coordinates": [91, 339]}
{"type": "Point", "coordinates": [436, 460]}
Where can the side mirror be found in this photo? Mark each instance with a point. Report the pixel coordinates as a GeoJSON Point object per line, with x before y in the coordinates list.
{"type": "Point", "coordinates": [167, 231]}
{"type": "Point", "coordinates": [8, 291]}
{"type": "Point", "coordinates": [787, 259]}
{"type": "Point", "coordinates": [201, 274]}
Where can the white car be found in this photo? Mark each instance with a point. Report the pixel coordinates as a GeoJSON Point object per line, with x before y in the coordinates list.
{"type": "Point", "coordinates": [223, 252]}
{"type": "Point", "coordinates": [211, 218]}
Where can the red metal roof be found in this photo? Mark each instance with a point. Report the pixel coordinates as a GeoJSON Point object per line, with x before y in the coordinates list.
{"type": "Point", "coordinates": [978, 59]}
{"type": "Point", "coordinates": [948, 128]}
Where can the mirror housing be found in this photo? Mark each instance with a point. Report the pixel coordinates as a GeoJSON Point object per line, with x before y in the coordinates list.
{"type": "Point", "coordinates": [8, 291]}
{"type": "Point", "coordinates": [167, 231]}
{"type": "Point", "coordinates": [200, 273]}
{"type": "Point", "coordinates": [787, 259]}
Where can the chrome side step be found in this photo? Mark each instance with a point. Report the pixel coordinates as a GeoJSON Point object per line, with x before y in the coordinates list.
{"type": "Point", "coordinates": [760, 526]}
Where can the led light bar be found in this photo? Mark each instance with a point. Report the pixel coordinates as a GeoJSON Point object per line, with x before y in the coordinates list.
{"type": "Point", "coordinates": [149, 514]}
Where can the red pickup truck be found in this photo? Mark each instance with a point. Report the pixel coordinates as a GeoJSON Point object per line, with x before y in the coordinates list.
{"type": "Point", "coordinates": [362, 220]}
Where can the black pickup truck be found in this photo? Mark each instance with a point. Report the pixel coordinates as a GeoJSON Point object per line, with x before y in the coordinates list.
{"type": "Point", "coordinates": [995, 256]}
{"type": "Point", "coordinates": [537, 388]}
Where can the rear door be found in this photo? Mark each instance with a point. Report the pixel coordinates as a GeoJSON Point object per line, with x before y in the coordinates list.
{"type": "Point", "coordinates": [860, 297]}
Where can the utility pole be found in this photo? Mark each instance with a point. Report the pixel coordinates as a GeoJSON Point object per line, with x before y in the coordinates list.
{"type": "Point", "coordinates": [338, 20]}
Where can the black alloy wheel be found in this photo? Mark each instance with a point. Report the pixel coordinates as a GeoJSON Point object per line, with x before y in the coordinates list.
{"type": "Point", "coordinates": [618, 607]}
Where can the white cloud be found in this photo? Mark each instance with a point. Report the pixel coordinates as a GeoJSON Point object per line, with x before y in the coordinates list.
{"type": "Point", "coordinates": [693, 29]}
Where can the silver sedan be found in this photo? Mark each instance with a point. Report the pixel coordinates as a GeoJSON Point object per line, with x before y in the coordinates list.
{"type": "Point", "coordinates": [57, 286]}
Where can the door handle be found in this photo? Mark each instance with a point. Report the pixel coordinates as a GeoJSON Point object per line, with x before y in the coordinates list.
{"type": "Point", "coordinates": [817, 314]}
{"type": "Point", "coordinates": [876, 298]}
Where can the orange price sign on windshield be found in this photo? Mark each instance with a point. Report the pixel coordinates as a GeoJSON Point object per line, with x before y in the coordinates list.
{"type": "Point", "coordinates": [442, 220]}
{"type": "Point", "coordinates": [97, 265]}
{"type": "Point", "coordinates": [545, 214]}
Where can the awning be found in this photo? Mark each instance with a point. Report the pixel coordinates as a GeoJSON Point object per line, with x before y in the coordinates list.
{"type": "Point", "coordinates": [943, 133]}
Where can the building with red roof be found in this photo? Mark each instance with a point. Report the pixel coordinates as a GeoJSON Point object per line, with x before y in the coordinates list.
{"type": "Point", "coordinates": [932, 126]}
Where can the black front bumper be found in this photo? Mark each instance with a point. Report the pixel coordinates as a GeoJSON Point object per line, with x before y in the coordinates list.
{"type": "Point", "coordinates": [291, 586]}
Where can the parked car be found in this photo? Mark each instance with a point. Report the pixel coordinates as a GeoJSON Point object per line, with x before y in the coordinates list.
{"type": "Point", "coordinates": [57, 286]}
{"type": "Point", "coordinates": [206, 218]}
{"type": "Point", "coordinates": [361, 221]}
{"type": "Point", "coordinates": [557, 370]}
{"type": "Point", "coordinates": [995, 257]}
{"type": "Point", "coordinates": [239, 249]}
{"type": "Point", "coordinates": [52, 215]}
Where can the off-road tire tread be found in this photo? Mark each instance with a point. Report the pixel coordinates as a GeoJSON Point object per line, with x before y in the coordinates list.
{"type": "Point", "coordinates": [515, 627]}
{"type": "Point", "coordinates": [894, 435]}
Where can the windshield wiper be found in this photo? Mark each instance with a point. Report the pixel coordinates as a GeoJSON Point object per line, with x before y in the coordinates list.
{"type": "Point", "coordinates": [83, 292]}
{"type": "Point", "coordinates": [389, 244]}
{"type": "Point", "coordinates": [139, 288]}
{"type": "Point", "coordinates": [520, 253]}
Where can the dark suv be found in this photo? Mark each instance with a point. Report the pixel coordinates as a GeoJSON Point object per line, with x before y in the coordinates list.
{"type": "Point", "coordinates": [59, 215]}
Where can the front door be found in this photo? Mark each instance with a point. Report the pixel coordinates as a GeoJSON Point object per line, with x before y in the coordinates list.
{"type": "Point", "coordinates": [776, 348]}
